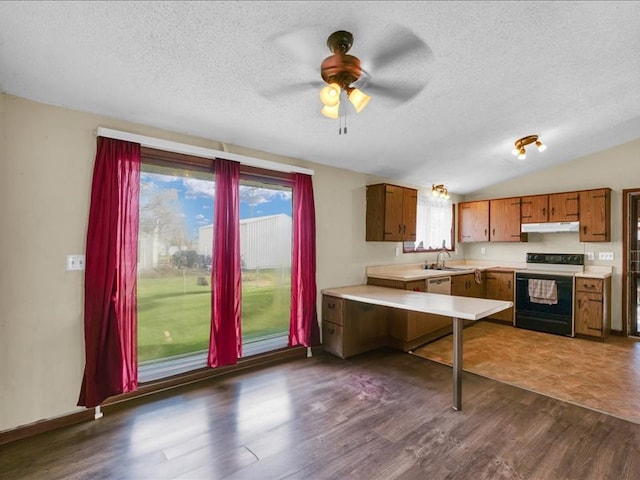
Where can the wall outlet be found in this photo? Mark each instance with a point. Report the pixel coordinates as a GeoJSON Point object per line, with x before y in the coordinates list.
{"type": "Point", "coordinates": [75, 262]}
{"type": "Point", "coordinates": [591, 256]}
{"type": "Point", "coordinates": [483, 251]}
{"type": "Point", "coordinates": [605, 255]}
{"type": "Point", "coordinates": [397, 251]}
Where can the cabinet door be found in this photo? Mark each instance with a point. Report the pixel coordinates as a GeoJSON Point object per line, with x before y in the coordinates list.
{"type": "Point", "coordinates": [476, 288]}
{"type": "Point", "coordinates": [563, 207]}
{"type": "Point", "coordinates": [595, 215]}
{"type": "Point", "coordinates": [504, 218]}
{"type": "Point", "coordinates": [459, 284]}
{"type": "Point", "coordinates": [409, 214]}
{"type": "Point", "coordinates": [500, 286]}
{"type": "Point", "coordinates": [588, 317]}
{"type": "Point", "coordinates": [473, 221]}
{"type": "Point", "coordinates": [393, 218]}
{"type": "Point", "coordinates": [534, 209]}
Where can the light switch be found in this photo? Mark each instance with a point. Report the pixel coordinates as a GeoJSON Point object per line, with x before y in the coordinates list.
{"type": "Point", "coordinates": [591, 256]}
{"type": "Point", "coordinates": [75, 262]}
{"type": "Point", "coordinates": [605, 255]}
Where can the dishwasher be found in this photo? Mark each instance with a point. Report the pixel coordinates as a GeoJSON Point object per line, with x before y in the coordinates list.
{"type": "Point", "coordinates": [440, 285]}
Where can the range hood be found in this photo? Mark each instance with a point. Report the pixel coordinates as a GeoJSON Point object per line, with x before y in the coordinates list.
{"type": "Point", "coordinates": [550, 227]}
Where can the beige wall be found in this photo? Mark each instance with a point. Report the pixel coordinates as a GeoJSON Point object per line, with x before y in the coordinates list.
{"type": "Point", "coordinates": [617, 168]}
{"type": "Point", "coordinates": [46, 163]}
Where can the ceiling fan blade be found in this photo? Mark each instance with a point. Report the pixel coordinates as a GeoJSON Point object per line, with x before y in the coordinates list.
{"type": "Point", "coordinates": [305, 46]}
{"type": "Point", "coordinates": [401, 45]}
{"type": "Point", "coordinates": [286, 89]}
{"type": "Point", "coordinates": [397, 93]}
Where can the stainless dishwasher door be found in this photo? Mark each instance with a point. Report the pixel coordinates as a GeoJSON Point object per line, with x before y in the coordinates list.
{"type": "Point", "coordinates": [440, 285]}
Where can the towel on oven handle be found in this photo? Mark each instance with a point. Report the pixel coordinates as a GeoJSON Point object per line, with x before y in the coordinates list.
{"type": "Point", "coordinates": [543, 291]}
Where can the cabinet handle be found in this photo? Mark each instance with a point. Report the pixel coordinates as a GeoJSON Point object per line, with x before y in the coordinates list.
{"type": "Point", "coordinates": [544, 211]}
{"type": "Point", "coordinates": [399, 228]}
{"type": "Point", "coordinates": [509, 284]}
{"type": "Point", "coordinates": [595, 300]}
{"type": "Point", "coordinates": [331, 305]}
{"type": "Point", "coordinates": [494, 232]}
{"type": "Point", "coordinates": [553, 211]}
{"type": "Point", "coordinates": [584, 229]}
{"type": "Point", "coordinates": [485, 232]}
{"type": "Point", "coordinates": [331, 330]}
{"type": "Point", "coordinates": [589, 286]}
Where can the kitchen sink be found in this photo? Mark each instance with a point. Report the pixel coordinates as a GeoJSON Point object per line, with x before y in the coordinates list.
{"type": "Point", "coordinates": [450, 269]}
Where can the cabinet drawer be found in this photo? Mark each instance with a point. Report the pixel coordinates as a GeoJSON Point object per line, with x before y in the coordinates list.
{"type": "Point", "coordinates": [333, 309]}
{"type": "Point", "coordinates": [332, 338]}
{"type": "Point", "coordinates": [593, 285]}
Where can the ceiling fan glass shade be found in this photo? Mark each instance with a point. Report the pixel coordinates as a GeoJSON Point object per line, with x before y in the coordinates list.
{"type": "Point", "coordinates": [522, 154]}
{"type": "Point", "coordinates": [330, 95]}
{"type": "Point", "coordinates": [541, 146]}
{"type": "Point", "coordinates": [331, 112]}
{"type": "Point", "coordinates": [358, 99]}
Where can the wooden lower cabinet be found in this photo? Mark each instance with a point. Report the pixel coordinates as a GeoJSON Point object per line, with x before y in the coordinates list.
{"type": "Point", "coordinates": [466, 285]}
{"type": "Point", "coordinates": [592, 313]}
{"type": "Point", "coordinates": [500, 286]}
{"type": "Point", "coordinates": [349, 328]}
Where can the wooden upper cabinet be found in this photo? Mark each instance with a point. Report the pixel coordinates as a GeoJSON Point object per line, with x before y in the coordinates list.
{"type": "Point", "coordinates": [534, 209]}
{"type": "Point", "coordinates": [564, 207]}
{"type": "Point", "coordinates": [473, 221]}
{"type": "Point", "coordinates": [595, 215]}
{"type": "Point", "coordinates": [504, 220]}
{"type": "Point", "coordinates": [391, 213]}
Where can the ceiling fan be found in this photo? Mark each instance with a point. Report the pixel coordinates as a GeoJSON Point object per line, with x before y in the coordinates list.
{"type": "Point", "coordinates": [393, 67]}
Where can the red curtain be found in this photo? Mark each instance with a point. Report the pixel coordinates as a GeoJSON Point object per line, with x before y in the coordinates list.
{"type": "Point", "coordinates": [111, 363]}
{"type": "Point", "coordinates": [225, 343]}
{"type": "Point", "coordinates": [303, 329]}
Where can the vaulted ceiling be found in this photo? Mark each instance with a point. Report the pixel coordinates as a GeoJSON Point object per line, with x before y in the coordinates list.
{"type": "Point", "coordinates": [453, 84]}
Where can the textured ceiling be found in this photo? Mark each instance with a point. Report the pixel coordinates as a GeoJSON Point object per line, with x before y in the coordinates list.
{"type": "Point", "coordinates": [247, 73]}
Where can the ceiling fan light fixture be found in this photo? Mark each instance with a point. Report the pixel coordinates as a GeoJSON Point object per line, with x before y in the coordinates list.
{"type": "Point", "coordinates": [541, 146]}
{"type": "Point", "coordinates": [331, 111]}
{"type": "Point", "coordinates": [330, 95]}
{"type": "Point", "coordinates": [358, 99]}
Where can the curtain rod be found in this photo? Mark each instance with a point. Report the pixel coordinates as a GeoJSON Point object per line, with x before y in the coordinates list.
{"type": "Point", "coordinates": [185, 148]}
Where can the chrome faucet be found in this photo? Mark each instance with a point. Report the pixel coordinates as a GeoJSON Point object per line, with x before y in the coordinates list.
{"type": "Point", "coordinates": [440, 252]}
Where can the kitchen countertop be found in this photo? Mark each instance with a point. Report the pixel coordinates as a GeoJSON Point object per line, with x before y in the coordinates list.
{"type": "Point", "coordinates": [409, 272]}
{"type": "Point", "coordinates": [466, 308]}
{"type": "Point", "coordinates": [595, 271]}
{"type": "Point", "coordinates": [416, 271]}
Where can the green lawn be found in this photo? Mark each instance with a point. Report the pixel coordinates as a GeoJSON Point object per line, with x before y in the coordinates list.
{"type": "Point", "coordinates": [174, 312]}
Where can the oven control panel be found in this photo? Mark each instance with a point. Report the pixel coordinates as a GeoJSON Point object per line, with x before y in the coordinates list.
{"type": "Point", "coordinates": [556, 258]}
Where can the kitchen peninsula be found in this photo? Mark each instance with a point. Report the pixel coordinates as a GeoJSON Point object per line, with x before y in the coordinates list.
{"type": "Point", "coordinates": [364, 314]}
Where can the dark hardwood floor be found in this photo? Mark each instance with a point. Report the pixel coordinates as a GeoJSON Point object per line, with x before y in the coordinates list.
{"type": "Point", "coordinates": [381, 415]}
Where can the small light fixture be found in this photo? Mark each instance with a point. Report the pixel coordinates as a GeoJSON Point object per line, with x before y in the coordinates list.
{"type": "Point", "coordinates": [524, 141]}
{"type": "Point", "coordinates": [330, 95]}
{"type": "Point", "coordinates": [358, 99]}
{"type": "Point", "coordinates": [440, 191]}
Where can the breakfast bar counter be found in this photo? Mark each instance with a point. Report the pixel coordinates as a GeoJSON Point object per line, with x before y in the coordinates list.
{"type": "Point", "coordinates": [457, 308]}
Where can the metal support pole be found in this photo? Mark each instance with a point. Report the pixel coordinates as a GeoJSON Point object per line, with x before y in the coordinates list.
{"type": "Point", "coordinates": [457, 363]}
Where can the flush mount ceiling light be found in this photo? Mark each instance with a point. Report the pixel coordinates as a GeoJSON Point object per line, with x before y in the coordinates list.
{"type": "Point", "coordinates": [524, 141]}
{"type": "Point", "coordinates": [439, 191]}
{"type": "Point", "coordinates": [340, 71]}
